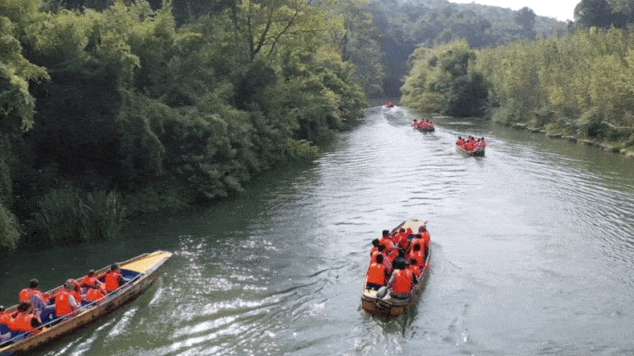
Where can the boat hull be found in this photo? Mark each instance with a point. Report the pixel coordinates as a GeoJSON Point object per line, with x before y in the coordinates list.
{"type": "Point", "coordinates": [476, 153]}
{"type": "Point", "coordinates": [149, 268]}
{"type": "Point", "coordinates": [392, 308]}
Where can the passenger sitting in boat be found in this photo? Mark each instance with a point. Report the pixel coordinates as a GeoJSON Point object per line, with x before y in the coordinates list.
{"type": "Point", "coordinates": [417, 240]}
{"type": "Point", "coordinates": [401, 282]}
{"type": "Point", "coordinates": [415, 123]}
{"type": "Point", "coordinates": [4, 316]}
{"type": "Point", "coordinates": [25, 320]}
{"type": "Point", "coordinates": [386, 261]}
{"type": "Point", "coordinates": [417, 253]}
{"type": "Point", "coordinates": [390, 247]}
{"type": "Point", "coordinates": [90, 279]}
{"type": "Point", "coordinates": [460, 141]}
{"type": "Point", "coordinates": [377, 274]}
{"type": "Point", "coordinates": [415, 268]}
{"type": "Point", "coordinates": [483, 143]}
{"type": "Point", "coordinates": [39, 301]}
{"type": "Point", "coordinates": [469, 145]}
{"type": "Point", "coordinates": [65, 302]}
{"type": "Point", "coordinates": [401, 239]}
{"type": "Point", "coordinates": [95, 293]}
{"type": "Point", "coordinates": [114, 278]}
{"type": "Point", "coordinates": [34, 289]}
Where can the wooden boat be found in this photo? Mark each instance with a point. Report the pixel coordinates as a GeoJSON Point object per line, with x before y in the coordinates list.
{"type": "Point", "coordinates": [391, 308]}
{"type": "Point", "coordinates": [477, 153]}
{"type": "Point", "coordinates": [139, 273]}
{"type": "Point", "coordinates": [425, 129]}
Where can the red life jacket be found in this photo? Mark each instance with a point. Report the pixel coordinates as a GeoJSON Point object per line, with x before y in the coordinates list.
{"type": "Point", "coordinates": [377, 274]}
{"type": "Point", "coordinates": [62, 303]}
{"type": "Point", "coordinates": [94, 294]}
{"type": "Point", "coordinates": [112, 280]}
{"type": "Point", "coordinates": [22, 322]}
{"type": "Point", "coordinates": [403, 282]}
{"type": "Point", "coordinates": [89, 281]}
{"type": "Point", "coordinates": [5, 318]}
{"type": "Point", "coordinates": [415, 269]}
{"type": "Point", "coordinates": [26, 293]}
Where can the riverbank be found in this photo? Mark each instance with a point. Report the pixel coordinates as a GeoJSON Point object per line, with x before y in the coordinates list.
{"type": "Point", "coordinates": [609, 146]}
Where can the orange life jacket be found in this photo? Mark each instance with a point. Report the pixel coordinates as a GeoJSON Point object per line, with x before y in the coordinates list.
{"type": "Point", "coordinates": [89, 281]}
{"type": "Point", "coordinates": [403, 282]}
{"type": "Point", "coordinates": [415, 269]}
{"type": "Point", "coordinates": [62, 303]}
{"type": "Point", "coordinates": [94, 294]}
{"type": "Point", "coordinates": [112, 280]}
{"type": "Point", "coordinates": [377, 274]}
{"type": "Point", "coordinates": [26, 293]}
{"type": "Point", "coordinates": [5, 318]}
{"type": "Point", "coordinates": [418, 255]}
{"type": "Point", "coordinates": [22, 322]}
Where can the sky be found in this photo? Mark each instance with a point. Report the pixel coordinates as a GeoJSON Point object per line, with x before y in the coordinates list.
{"type": "Point", "coordinates": [562, 10]}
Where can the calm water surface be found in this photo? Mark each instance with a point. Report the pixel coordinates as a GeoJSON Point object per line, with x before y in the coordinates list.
{"type": "Point", "coordinates": [533, 253]}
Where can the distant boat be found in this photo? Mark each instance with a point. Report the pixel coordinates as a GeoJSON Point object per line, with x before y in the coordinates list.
{"type": "Point", "coordinates": [478, 152]}
{"type": "Point", "coordinates": [139, 273]}
{"type": "Point", "coordinates": [389, 104]}
{"type": "Point", "coordinates": [390, 307]}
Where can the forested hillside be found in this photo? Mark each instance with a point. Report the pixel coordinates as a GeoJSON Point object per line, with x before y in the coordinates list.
{"type": "Point", "coordinates": [408, 25]}
{"type": "Point", "coordinates": [577, 84]}
{"type": "Point", "coordinates": [118, 108]}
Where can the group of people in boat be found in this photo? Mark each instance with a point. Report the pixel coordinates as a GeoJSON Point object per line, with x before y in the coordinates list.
{"type": "Point", "coordinates": [424, 124]}
{"type": "Point", "coordinates": [36, 308]}
{"type": "Point", "coordinates": [390, 104]}
{"type": "Point", "coordinates": [398, 261]}
{"type": "Point", "coordinates": [472, 144]}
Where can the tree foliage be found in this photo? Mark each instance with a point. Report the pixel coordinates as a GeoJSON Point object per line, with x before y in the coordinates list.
{"type": "Point", "coordinates": [133, 104]}
{"type": "Point", "coordinates": [442, 81]}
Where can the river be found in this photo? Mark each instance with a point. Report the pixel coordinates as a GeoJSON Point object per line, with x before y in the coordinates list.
{"type": "Point", "coordinates": [532, 254]}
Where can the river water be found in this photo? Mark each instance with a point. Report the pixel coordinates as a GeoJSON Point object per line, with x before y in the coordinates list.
{"type": "Point", "coordinates": [532, 254]}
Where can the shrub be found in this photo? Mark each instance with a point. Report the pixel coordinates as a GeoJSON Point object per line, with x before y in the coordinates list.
{"type": "Point", "coordinates": [71, 216]}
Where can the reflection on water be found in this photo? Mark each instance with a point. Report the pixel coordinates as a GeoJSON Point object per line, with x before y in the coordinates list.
{"type": "Point", "coordinates": [532, 254]}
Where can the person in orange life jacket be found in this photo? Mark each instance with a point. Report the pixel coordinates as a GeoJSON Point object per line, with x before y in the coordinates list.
{"type": "Point", "coordinates": [386, 261]}
{"type": "Point", "coordinates": [426, 239]}
{"type": "Point", "coordinates": [483, 143]}
{"type": "Point", "coordinates": [415, 123]}
{"type": "Point", "coordinates": [469, 145]}
{"type": "Point", "coordinates": [460, 141]}
{"type": "Point", "coordinates": [414, 267]}
{"type": "Point", "coordinates": [417, 240]}
{"type": "Point", "coordinates": [377, 274]}
{"type": "Point", "coordinates": [401, 239]}
{"type": "Point", "coordinates": [34, 288]}
{"type": "Point", "coordinates": [390, 248]}
{"type": "Point", "coordinates": [95, 293]}
{"type": "Point", "coordinates": [4, 316]}
{"type": "Point", "coordinates": [76, 290]}
{"type": "Point", "coordinates": [90, 279]}
{"type": "Point", "coordinates": [65, 302]}
{"type": "Point", "coordinates": [114, 278]}
{"type": "Point", "coordinates": [375, 247]}
{"type": "Point", "coordinates": [25, 320]}
{"type": "Point", "coordinates": [401, 282]}
{"type": "Point", "coordinates": [417, 253]}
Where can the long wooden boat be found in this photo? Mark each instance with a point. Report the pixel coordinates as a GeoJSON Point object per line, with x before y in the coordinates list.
{"type": "Point", "coordinates": [425, 129]}
{"type": "Point", "coordinates": [391, 308]}
{"type": "Point", "coordinates": [476, 153]}
{"type": "Point", "coordinates": [139, 273]}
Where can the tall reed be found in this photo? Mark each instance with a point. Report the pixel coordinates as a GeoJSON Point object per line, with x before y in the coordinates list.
{"type": "Point", "coordinates": [71, 216]}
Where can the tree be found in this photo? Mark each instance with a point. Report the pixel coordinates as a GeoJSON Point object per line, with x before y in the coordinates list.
{"type": "Point", "coordinates": [589, 13]}
{"type": "Point", "coordinates": [525, 18]}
